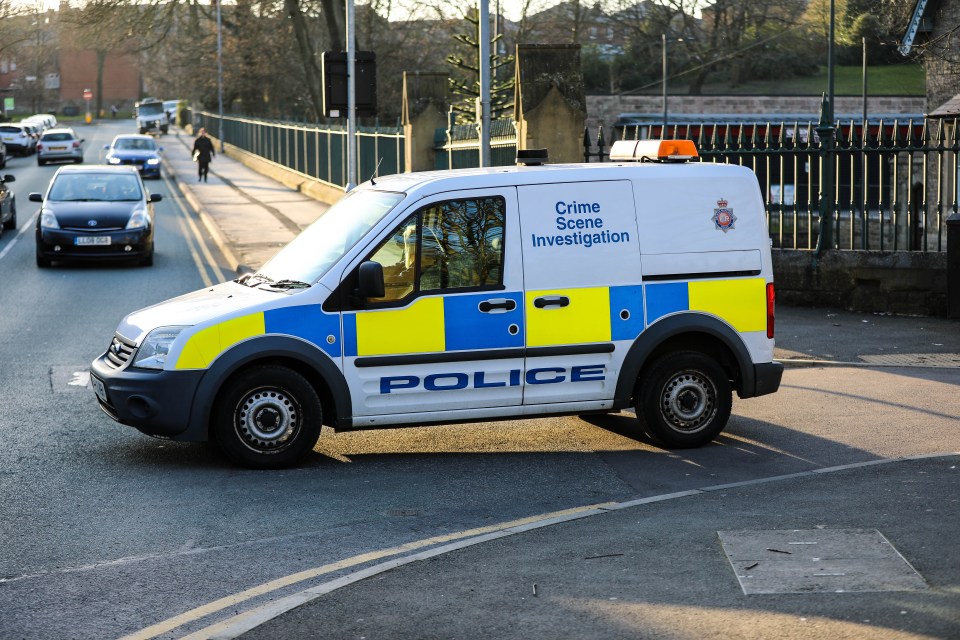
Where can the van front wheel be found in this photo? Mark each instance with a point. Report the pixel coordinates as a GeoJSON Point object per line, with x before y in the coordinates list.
{"type": "Point", "coordinates": [684, 399]}
{"type": "Point", "coordinates": [268, 417]}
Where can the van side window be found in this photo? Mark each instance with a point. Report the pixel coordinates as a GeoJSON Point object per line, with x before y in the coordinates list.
{"type": "Point", "coordinates": [462, 244]}
{"type": "Point", "coordinates": [455, 244]}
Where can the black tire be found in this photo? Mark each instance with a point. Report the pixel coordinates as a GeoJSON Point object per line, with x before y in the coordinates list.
{"type": "Point", "coordinates": [42, 262]}
{"type": "Point", "coordinates": [40, 162]}
{"type": "Point", "coordinates": [267, 417]}
{"type": "Point", "coordinates": [684, 399]}
{"type": "Point", "coordinates": [12, 222]}
{"type": "Point", "coordinates": [147, 261]}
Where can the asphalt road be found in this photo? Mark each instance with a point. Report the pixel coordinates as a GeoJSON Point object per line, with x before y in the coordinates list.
{"type": "Point", "coordinates": [106, 532]}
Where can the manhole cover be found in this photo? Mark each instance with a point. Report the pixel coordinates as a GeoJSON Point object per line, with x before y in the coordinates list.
{"type": "Point", "coordinates": [817, 561]}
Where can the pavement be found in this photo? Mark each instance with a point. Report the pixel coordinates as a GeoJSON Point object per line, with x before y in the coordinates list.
{"type": "Point", "coordinates": [763, 558]}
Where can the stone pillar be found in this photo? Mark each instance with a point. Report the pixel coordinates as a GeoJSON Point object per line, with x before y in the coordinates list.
{"type": "Point", "coordinates": [550, 107]}
{"type": "Point", "coordinates": [953, 266]}
{"type": "Point", "coordinates": [425, 102]}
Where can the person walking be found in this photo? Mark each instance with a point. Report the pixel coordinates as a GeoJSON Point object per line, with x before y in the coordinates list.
{"type": "Point", "coordinates": [113, 111]}
{"type": "Point", "coordinates": [203, 153]}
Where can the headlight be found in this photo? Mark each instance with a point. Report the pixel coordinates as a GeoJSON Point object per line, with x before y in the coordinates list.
{"type": "Point", "coordinates": [153, 161]}
{"type": "Point", "coordinates": [48, 220]}
{"type": "Point", "coordinates": [113, 160]}
{"type": "Point", "coordinates": [138, 219]}
{"type": "Point", "coordinates": [152, 354]}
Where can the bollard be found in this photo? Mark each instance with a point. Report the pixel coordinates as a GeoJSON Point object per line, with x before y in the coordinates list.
{"type": "Point", "coordinates": [953, 266]}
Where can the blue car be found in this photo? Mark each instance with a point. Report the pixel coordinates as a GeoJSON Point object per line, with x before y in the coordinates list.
{"type": "Point", "coordinates": [138, 150]}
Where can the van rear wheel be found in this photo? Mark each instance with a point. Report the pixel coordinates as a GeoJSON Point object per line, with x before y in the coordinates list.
{"type": "Point", "coordinates": [268, 417]}
{"type": "Point", "coordinates": [684, 399]}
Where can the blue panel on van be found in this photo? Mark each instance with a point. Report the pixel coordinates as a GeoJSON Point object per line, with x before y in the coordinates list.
{"type": "Point", "coordinates": [666, 298]}
{"type": "Point", "coordinates": [308, 322]}
{"type": "Point", "coordinates": [626, 312]}
{"type": "Point", "coordinates": [349, 335]}
{"type": "Point", "coordinates": [466, 327]}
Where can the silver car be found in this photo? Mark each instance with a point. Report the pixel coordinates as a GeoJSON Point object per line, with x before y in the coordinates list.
{"type": "Point", "coordinates": [59, 144]}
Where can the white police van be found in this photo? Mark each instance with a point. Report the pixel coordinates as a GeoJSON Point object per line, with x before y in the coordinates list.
{"type": "Point", "coordinates": [470, 295]}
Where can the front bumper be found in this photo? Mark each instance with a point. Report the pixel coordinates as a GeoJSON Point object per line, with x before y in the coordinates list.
{"type": "Point", "coordinates": [157, 403]}
{"type": "Point", "coordinates": [61, 244]}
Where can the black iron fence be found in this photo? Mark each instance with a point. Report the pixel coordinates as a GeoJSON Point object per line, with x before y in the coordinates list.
{"type": "Point", "coordinates": [895, 182]}
{"type": "Point", "coordinates": [314, 150]}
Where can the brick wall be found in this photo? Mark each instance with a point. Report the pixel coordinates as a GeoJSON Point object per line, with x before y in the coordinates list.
{"type": "Point", "coordinates": [78, 71]}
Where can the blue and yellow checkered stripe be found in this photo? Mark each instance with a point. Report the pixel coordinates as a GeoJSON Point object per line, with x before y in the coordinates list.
{"type": "Point", "coordinates": [453, 323]}
{"type": "Point", "coordinates": [741, 302]}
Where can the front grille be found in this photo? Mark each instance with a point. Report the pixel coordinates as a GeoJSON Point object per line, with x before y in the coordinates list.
{"type": "Point", "coordinates": [119, 351]}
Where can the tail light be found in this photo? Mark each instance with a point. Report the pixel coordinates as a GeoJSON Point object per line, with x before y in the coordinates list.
{"type": "Point", "coordinates": [39, 147]}
{"type": "Point", "coordinates": [771, 300]}
{"type": "Point", "coordinates": [76, 144]}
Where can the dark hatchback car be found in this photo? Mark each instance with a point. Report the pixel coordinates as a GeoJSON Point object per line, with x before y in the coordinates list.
{"type": "Point", "coordinates": [137, 150]}
{"type": "Point", "coordinates": [8, 204]}
{"type": "Point", "coordinates": [95, 213]}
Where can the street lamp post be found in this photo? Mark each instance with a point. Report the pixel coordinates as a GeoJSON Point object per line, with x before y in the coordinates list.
{"type": "Point", "coordinates": [220, 73]}
{"type": "Point", "coordinates": [827, 135]}
{"type": "Point", "coordinates": [663, 131]}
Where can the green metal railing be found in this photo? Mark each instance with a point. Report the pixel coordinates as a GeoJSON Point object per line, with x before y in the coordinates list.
{"type": "Point", "coordinates": [895, 182]}
{"type": "Point", "coordinates": [316, 151]}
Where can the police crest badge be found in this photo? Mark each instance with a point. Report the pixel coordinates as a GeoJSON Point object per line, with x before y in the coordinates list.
{"type": "Point", "coordinates": [723, 216]}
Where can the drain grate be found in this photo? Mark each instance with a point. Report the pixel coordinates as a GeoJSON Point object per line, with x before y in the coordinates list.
{"type": "Point", "coordinates": [926, 359]}
{"type": "Point", "coordinates": [817, 561]}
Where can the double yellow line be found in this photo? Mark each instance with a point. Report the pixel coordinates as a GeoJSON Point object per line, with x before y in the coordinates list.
{"type": "Point", "coordinates": [204, 260]}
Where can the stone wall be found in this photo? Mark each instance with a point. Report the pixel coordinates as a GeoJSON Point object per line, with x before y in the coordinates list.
{"type": "Point", "coordinates": [940, 58]}
{"type": "Point", "coordinates": [903, 283]}
{"type": "Point", "coordinates": [607, 109]}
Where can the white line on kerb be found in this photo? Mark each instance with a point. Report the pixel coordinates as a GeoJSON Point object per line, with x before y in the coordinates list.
{"type": "Point", "coordinates": [252, 618]}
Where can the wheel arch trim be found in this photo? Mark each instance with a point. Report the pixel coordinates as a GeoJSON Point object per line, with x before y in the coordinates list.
{"type": "Point", "coordinates": [267, 348]}
{"type": "Point", "coordinates": [671, 326]}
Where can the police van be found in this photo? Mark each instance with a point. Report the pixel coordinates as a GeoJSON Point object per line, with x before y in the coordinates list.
{"type": "Point", "coordinates": [469, 295]}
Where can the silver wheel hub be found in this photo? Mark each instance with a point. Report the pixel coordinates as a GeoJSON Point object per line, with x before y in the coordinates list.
{"type": "Point", "coordinates": [267, 419]}
{"type": "Point", "coordinates": [688, 401]}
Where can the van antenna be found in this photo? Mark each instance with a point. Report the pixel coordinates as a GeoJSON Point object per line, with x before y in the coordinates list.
{"type": "Point", "coordinates": [376, 171]}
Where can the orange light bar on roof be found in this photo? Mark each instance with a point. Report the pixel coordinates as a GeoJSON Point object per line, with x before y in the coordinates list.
{"type": "Point", "coordinates": [654, 150]}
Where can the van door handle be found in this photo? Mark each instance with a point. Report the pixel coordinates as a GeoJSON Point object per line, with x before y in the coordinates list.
{"type": "Point", "coordinates": [551, 301]}
{"type": "Point", "coordinates": [497, 304]}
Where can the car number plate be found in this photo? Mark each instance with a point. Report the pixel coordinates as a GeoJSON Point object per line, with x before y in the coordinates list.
{"type": "Point", "coordinates": [92, 240]}
{"type": "Point", "coordinates": [58, 148]}
{"type": "Point", "coordinates": [98, 388]}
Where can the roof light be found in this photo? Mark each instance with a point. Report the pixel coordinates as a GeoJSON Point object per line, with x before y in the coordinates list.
{"type": "Point", "coordinates": [653, 150]}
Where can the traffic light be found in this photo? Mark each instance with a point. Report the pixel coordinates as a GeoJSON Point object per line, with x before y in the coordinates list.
{"type": "Point", "coordinates": [335, 83]}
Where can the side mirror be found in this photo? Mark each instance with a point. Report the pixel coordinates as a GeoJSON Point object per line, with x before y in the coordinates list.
{"type": "Point", "coordinates": [35, 197]}
{"type": "Point", "coordinates": [8, 178]}
{"type": "Point", "coordinates": [106, 146]}
{"type": "Point", "coordinates": [160, 149]}
{"type": "Point", "coordinates": [155, 197]}
{"type": "Point", "coordinates": [371, 280]}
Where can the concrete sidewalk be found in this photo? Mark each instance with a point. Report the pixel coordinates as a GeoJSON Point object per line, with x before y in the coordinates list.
{"type": "Point", "coordinates": [249, 216]}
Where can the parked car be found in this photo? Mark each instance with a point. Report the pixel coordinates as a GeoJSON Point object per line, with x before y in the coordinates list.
{"type": "Point", "coordinates": [18, 139]}
{"type": "Point", "coordinates": [8, 204]}
{"type": "Point", "coordinates": [141, 151]}
{"type": "Point", "coordinates": [3, 155]}
{"type": "Point", "coordinates": [60, 144]}
{"type": "Point", "coordinates": [170, 106]}
{"type": "Point", "coordinates": [98, 212]}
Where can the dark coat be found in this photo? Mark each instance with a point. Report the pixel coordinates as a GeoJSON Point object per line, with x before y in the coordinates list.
{"type": "Point", "coordinates": [203, 149]}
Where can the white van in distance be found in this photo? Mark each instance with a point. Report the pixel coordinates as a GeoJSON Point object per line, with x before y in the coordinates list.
{"type": "Point", "coordinates": [469, 295]}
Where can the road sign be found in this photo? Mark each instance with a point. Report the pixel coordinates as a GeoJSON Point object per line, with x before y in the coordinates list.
{"type": "Point", "coordinates": [87, 94]}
